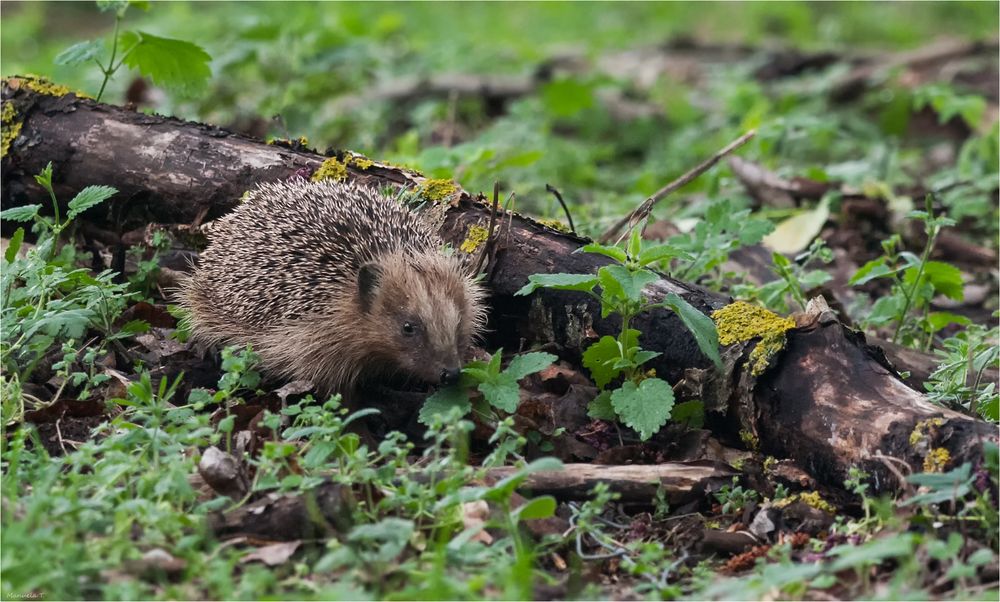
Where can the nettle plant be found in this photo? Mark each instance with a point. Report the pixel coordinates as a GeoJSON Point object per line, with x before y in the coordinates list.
{"type": "Point", "coordinates": [48, 304]}
{"type": "Point", "coordinates": [173, 64]}
{"type": "Point", "coordinates": [640, 400]}
{"type": "Point", "coordinates": [915, 281]}
{"type": "Point", "coordinates": [499, 387]}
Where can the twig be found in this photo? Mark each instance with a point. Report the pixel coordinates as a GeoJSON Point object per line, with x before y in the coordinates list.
{"type": "Point", "coordinates": [489, 236]}
{"type": "Point", "coordinates": [642, 211]}
{"type": "Point", "coordinates": [60, 437]}
{"type": "Point", "coordinates": [559, 198]}
{"type": "Point", "coordinates": [888, 461]}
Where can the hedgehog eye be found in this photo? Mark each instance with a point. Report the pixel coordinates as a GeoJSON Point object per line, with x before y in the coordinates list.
{"type": "Point", "coordinates": [409, 329]}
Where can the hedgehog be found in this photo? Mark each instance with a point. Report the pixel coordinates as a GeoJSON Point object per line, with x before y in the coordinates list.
{"type": "Point", "coordinates": [338, 284]}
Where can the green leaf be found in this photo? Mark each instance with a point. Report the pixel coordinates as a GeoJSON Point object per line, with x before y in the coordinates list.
{"type": "Point", "coordinates": [662, 253]}
{"type": "Point", "coordinates": [608, 251]}
{"type": "Point", "coordinates": [700, 325]}
{"type": "Point", "coordinates": [89, 197]}
{"type": "Point", "coordinates": [690, 412]}
{"type": "Point", "coordinates": [644, 408]}
{"type": "Point", "coordinates": [506, 486]}
{"type": "Point", "coordinates": [939, 319]}
{"type": "Point", "coordinates": [24, 213]}
{"type": "Point", "coordinates": [600, 357]}
{"type": "Point", "coordinates": [885, 310]}
{"type": "Point", "coordinates": [478, 375]}
{"type": "Point", "coordinates": [173, 64]}
{"type": "Point", "coordinates": [134, 327]}
{"type": "Point", "coordinates": [502, 392]}
{"type": "Point", "coordinates": [872, 552]}
{"type": "Point", "coordinates": [752, 231]}
{"type": "Point", "coordinates": [79, 53]}
{"type": "Point", "coordinates": [563, 282]}
{"type": "Point", "coordinates": [442, 401]}
{"type": "Point", "coordinates": [529, 363]}
{"type": "Point", "coordinates": [540, 507]}
{"type": "Point", "coordinates": [944, 277]}
{"type": "Point", "coordinates": [44, 177]}
{"type": "Point", "coordinates": [494, 364]}
{"type": "Point", "coordinates": [991, 409]}
{"type": "Point", "coordinates": [619, 280]}
{"type": "Point", "coordinates": [641, 357]}
{"type": "Point", "coordinates": [876, 268]}
{"type": "Point", "coordinates": [15, 245]}
{"type": "Point", "coordinates": [601, 409]}
{"type": "Point", "coordinates": [634, 243]}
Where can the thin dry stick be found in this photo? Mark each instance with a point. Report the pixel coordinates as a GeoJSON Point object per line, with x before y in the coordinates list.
{"type": "Point", "coordinates": [490, 238]}
{"type": "Point", "coordinates": [642, 211]}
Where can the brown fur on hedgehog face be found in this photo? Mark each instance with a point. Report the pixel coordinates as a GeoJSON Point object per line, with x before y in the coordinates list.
{"type": "Point", "coordinates": [419, 314]}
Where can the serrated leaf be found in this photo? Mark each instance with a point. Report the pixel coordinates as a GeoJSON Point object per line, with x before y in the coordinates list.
{"type": "Point", "coordinates": [79, 53]}
{"type": "Point", "coordinates": [502, 392]}
{"type": "Point", "coordinates": [24, 213]}
{"type": "Point", "coordinates": [14, 246]}
{"type": "Point", "coordinates": [752, 231]}
{"type": "Point", "coordinates": [442, 401]}
{"type": "Point", "coordinates": [89, 197]}
{"type": "Point", "coordinates": [563, 282]}
{"type": "Point", "coordinates": [644, 408]}
{"type": "Point", "coordinates": [600, 407]}
{"type": "Point", "coordinates": [944, 277]}
{"type": "Point", "coordinates": [619, 280]}
{"type": "Point", "coordinates": [529, 363]}
{"type": "Point", "coordinates": [641, 357]}
{"type": "Point", "coordinates": [173, 64]}
{"type": "Point", "coordinates": [608, 251]}
{"type": "Point", "coordinates": [493, 366]}
{"type": "Point", "coordinates": [700, 325]}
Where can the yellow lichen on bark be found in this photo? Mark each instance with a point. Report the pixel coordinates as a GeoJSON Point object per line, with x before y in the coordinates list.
{"type": "Point", "coordinates": [476, 236]}
{"type": "Point", "coordinates": [331, 169]}
{"type": "Point", "coordinates": [438, 190]}
{"type": "Point", "coordinates": [740, 321]}
{"type": "Point", "coordinates": [10, 129]}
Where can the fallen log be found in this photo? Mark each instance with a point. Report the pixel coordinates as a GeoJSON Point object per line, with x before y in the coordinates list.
{"type": "Point", "coordinates": [826, 399]}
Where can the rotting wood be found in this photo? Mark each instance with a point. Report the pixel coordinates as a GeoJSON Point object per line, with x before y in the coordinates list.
{"type": "Point", "coordinates": [830, 401]}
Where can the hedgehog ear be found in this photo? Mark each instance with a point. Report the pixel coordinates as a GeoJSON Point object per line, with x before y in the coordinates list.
{"type": "Point", "coordinates": [368, 280]}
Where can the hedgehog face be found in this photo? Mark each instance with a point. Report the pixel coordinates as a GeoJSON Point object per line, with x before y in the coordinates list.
{"type": "Point", "coordinates": [417, 313]}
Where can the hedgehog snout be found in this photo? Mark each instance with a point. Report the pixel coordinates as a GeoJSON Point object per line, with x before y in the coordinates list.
{"type": "Point", "coordinates": [449, 376]}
